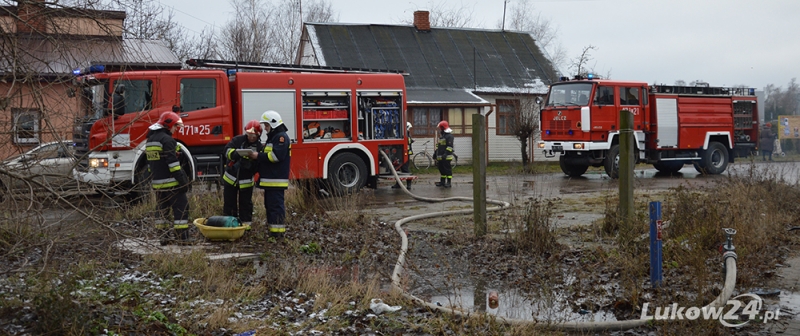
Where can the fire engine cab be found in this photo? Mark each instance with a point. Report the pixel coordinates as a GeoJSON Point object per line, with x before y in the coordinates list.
{"type": "Point", "coordinates": [673, 125]}
{"type": "Point", "coordinates": [338, 120]}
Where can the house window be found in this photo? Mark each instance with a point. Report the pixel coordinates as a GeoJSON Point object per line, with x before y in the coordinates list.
{"type": "Point", "coordinates": [460, 119]}
{"type": "Point", "coordinates": [198, 94]}
{"type": "Point", "coordinates": [425, 120]}
{"type": "Point", "coordinates": [26, 125]}
{"type": "Point", "coordinates": [506, 116]}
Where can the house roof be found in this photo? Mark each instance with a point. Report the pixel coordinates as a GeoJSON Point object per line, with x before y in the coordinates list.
{"type": "Point", "coordinates": [45, 57]}
{"type": "Point", "coordinates": [443, 96]}
{"type": "Point", "coordinates": [490, 61]}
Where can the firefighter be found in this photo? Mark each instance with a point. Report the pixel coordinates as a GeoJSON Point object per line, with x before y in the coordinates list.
{"type": "Point", "coordinates": [169, 180]}
{"type": "Point", "coordinates": [238, 177]}
{"type": "Point", "coordinates": [404, 168]}
{"type": "Point", "coordinates": [444, 154]}
{"type": "Point", "coordinates": [273, 171]}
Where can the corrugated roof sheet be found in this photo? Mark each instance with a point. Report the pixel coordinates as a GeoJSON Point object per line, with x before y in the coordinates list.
{"type": "Point", "coordinates": [451, 58]}
{"type": "Point", "coordinates": [43, 56]}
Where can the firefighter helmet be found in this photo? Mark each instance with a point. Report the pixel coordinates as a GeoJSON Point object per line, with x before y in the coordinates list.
{"type": "Point", "coordinates": [169, 119]}
{"type": "Point", "coordinates": [408, 125]}
{"type": "Point", "coordinates": [272, 118]}
{"type": "Point", "coordinates": [253, 127]}
{"type": "Point", "coordinates": [443, 125]}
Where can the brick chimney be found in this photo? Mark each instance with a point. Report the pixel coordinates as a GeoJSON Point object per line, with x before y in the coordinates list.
{"type": "Point", "coordinates": [31, 16]}
{"type": "Point", "coordinates": [422, 20]}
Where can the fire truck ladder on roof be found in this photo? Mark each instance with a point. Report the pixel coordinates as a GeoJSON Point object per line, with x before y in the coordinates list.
{"type": "Point", "coordinates": [282, 67]}
{"type": "Point", "coordinates": [704, 90]}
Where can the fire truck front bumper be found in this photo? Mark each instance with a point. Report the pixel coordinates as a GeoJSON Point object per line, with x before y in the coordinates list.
{"type": "Point", "coordinates": [553, 148]}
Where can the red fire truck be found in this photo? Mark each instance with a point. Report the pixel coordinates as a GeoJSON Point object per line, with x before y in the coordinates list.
{"type": "Point", "coordinates": [673, 125]}
{"type": "Point", "coordinates": [338, 119]}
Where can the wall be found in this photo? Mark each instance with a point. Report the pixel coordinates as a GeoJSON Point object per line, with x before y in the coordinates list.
{"type": "Point", "coordinates": [58, 113]}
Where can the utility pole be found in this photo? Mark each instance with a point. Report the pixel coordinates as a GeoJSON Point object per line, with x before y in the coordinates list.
{"type": "Point", "coordinates": [503, 28]}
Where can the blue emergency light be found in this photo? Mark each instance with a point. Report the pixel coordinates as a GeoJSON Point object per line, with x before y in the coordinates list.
{"type": "Point", "coordinates": [89, 70]}
{"type": "Point", "coordinates": [590, 76]}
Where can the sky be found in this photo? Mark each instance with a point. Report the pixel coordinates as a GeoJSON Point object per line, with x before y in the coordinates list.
{"type": "Point", "coordinates": [721, 42]}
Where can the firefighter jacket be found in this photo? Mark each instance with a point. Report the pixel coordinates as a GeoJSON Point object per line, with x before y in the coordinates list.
{"type": "Point", "coordinates": [240, 170]}
{"type": "Point", "coordinates": [273, 160]}
{"type": "Point", "coordinates": [444, 149]}
{"type": "Point", "coordinates": [162, 156]}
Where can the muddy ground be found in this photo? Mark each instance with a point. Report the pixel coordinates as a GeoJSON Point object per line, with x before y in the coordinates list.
{"type": "Point", "coordinates": [357, 243]}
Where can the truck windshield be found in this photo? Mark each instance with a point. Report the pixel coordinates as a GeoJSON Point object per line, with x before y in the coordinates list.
{"type": "Point", "coordinates": [95, 100]}
{"type": "Point", "coordinates": [569, 94]}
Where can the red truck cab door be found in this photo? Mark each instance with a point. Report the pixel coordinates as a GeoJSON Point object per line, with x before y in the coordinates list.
{"type": "Point", "coordinates": [204, 109]}
{"type": "Point", "coordinates": [604, 112]}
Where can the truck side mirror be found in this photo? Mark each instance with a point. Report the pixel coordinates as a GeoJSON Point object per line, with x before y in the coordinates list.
{"type": "Point", "coordinates": [538, 100]}
{"type": "Point", "coordinates": [176, 108]}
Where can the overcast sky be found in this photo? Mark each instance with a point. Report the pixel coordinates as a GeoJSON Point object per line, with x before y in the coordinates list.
{"type": "Point", "coordinates": [722, 42]}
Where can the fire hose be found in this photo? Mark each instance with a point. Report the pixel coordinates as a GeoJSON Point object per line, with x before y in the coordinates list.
{"type": "Point", "coordinates": [729, 258]}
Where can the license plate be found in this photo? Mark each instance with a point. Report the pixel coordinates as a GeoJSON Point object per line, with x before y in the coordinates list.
{"type": "Point", "coordinates": [558, 148]}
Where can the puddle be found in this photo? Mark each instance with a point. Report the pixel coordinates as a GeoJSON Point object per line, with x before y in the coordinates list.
{"type": "Point", "coordinates": [790, 304]}
{"type": "Point", "coordinates": [513, 304]}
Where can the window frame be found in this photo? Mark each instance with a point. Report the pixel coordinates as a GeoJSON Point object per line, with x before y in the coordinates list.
{"type": "Point", "coordinates": [514, 105]}
{"type": "Point", "coordinates": [422, 129]}
{"type": "Point", "coordinates": [213, 94]}
{"type": "Point", "coordinates": [35, 138]}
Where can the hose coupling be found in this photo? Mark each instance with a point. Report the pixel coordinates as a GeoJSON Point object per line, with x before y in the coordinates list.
{"type": "Point", "coordinates": [728, 246]}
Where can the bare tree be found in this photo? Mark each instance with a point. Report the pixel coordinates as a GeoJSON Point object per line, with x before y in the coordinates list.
{"type": "Point", "coordinates": [447, 16]}
{"type": "Point", "coordinates": [581, 63]}
{"type": "Point", "coordinates": [248, 36]}
{"type": "Point", "coordinates": [522, 16]}
{"type": "Point", "coordinates": [267, 32]}
{"type": "Point", "coordinates": [525, 123]}
{"type": "Point", "coordinates": [287, 25]}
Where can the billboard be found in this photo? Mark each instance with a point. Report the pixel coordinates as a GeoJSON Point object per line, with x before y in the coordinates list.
{"type": "Point", "coordinates": [788, 127]}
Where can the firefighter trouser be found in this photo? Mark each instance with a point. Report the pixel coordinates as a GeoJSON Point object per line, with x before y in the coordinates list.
{"type": "Point", "coordinates": [445, 168]}
{"type": "Point", "coordinates": [237, 202]}
{"type": "Point", "coordinates": [276, 210]}
{"type": "Point", "coordinates": [176, 201]}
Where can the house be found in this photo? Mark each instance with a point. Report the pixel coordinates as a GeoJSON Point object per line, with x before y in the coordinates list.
{"type": "Point", "coordinates": [42, 45]}
{"type": "Point", "coordinates": [453, 73]}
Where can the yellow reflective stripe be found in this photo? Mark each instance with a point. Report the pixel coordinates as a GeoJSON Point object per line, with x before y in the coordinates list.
{"type": "Point", "coordinates": [246, 185]}
{"type": "Point", "coordinates": [272, 157]}
{"type": "Point", "coordinates": [165, 185]}
{"type": "Point", "coordinates": [274, 182]}
{"type": "Point", "coordinates": [277, 228]}
{"type": "Point", "coordinates": [228, 178]}
{"type": "Point", "coordinates": [449, 149]}
{"type": "Point", "coordinates": [153, 148]}
{"type": "Point", "coordinates": [174, 169]}
{"type": "Point", "coordinates": [230, 151]}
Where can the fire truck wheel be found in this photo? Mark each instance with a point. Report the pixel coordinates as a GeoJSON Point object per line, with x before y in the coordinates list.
{"type": "Point", "coordinates": [347, 173]}
{"type": "Point", "coordinates": [611, 163]}
{"type": "Point", "coordinates": [572, 170]}
{"type": "Point", "coordinates": [715, 158]}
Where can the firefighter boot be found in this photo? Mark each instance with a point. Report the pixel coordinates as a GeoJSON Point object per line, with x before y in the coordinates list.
{"type": "Point", "coordinates": [447, 183]}
{"type": "Point", "coordinates": [408, 184]}
{"type": "Point", "coordinates": [441, 182]}
{"type": "Point", "coordinates": [396, 185]}
{"type": "Point", "coordinates": [277, 230]}
{"type": "Point", "coordinates": [182, 236]}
